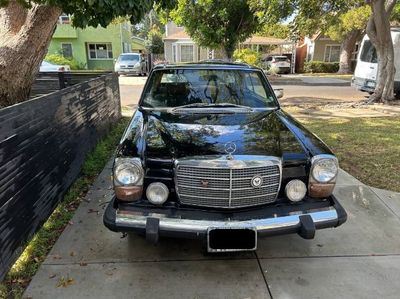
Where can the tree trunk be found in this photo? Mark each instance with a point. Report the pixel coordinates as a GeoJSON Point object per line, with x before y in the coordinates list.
{"type": "Point", "coordinates": [378, 30]}
{"type": "Point", "coordinates": [348, 46]}
{"type": "Point", "coordinates": [24, 38]}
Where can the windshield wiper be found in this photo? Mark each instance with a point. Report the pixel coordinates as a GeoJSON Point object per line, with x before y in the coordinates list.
{"type": "Point", "coordinates": [219, 105]}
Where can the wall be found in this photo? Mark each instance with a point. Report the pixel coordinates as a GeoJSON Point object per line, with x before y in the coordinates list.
{"type": "Point", "coordinates": [43, 144]}
{"type": "Point", "coordinates": [168, 51]}
{"type": "Point", "coordinates": [319, 49]}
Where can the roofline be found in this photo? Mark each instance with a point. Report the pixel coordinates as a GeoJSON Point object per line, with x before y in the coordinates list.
{"type": "Point", "coordinates": [214, 64]}
{"type": "Point", "coordinates": [137, 37]}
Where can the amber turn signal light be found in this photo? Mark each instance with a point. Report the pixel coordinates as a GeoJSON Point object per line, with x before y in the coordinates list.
{"type": "Point", "coordinates": [128, 193]}
{"type": "Point", "coordinates": [318, 190]}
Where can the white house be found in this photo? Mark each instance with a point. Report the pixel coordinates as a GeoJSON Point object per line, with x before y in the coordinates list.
{"type": "Point", "coordinates": [179, 47]}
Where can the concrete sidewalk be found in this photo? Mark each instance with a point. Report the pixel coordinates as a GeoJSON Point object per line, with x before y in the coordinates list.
{"type": "Point", "coordinates": [360, 259]}
{"type": "Point", "coordinates": [304, 80]}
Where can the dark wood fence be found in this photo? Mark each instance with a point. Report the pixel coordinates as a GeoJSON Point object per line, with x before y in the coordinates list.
{"type": "Point", "coordinates": [47, 82]}
{"type": "Point", "coordinates": [43, 143]}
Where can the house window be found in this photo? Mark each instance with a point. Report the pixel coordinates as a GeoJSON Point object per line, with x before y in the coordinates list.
{"type": "Point", "coordinates": [64, 19]}
{"type": "Point", "coordinates": [173, 53]}
{"type": "Point", "coordinates": [332, 53]}
{"type": "Point", "coordinates": [186, 53]}
{"type": "Point", "coordinates": [126, 47]}
{"type": "Point", "coordinates": [66, 50]}
{"type": "Point", "coordinates": [100, 51]}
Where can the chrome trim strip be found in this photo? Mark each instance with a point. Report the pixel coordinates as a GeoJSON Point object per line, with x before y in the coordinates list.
{"type": "Point", "coordinates": [230, 188]}
{"type": "Point", "coordinates": [227, 189]}
{"type": "Point", "coordinates": [138, 220]}
{"type": "Point", "coordinates": [224, 179]}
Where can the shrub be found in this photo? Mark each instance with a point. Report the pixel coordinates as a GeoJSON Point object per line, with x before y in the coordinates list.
{"type": "Point", "coordinates": [59, 59]}
{"type": "Point", "coordinates": [273, 70]}
{"type": "Point", "coordinates": [247, 55]}
{"type": "Point", "coordinates": [321, 67]}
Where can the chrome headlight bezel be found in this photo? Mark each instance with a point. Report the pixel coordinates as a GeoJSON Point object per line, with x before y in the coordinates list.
{"type": "Point", "coordinates": [128, 164]}
{"type": "Point", "coordinates": [317, 161]}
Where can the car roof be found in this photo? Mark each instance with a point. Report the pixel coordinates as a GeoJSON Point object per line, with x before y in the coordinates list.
{"type": "Point", "coordinates": [205, 64]}
{"type": "Point", "coordinates": [131, 53]}
{"type": "Point", "coordinates": [44, 62]}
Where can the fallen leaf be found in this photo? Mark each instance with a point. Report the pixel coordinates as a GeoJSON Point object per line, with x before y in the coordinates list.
{"type": "Point", "coordinates": [65, 281]}
{"type": "Point", "coordinates": [82, 264]}
{"type": "Point", "coordinates": [52, 275]}
{"type": "Point", "coordinates": [72, 253]}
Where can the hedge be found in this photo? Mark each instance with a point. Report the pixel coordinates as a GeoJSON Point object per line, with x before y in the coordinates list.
{"type": "Point", "coordinates": [59, 59]}
{"type": "Point", "coordinates": [321, 67]}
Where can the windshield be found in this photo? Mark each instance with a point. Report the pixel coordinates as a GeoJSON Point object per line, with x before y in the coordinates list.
{"type": "Point", "coordinates": [368, 53]}
{"type": "Point", "coordinates": [129, 57]}
{"type": "Point", "coordinates": [179, 87]}
{"type": "Point", "coordinates": [280, 58]}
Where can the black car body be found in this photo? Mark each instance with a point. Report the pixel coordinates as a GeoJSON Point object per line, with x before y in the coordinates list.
{"type": "Point", "coordinates": [217, 169]}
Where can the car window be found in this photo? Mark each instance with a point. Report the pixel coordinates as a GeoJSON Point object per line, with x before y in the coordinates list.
{"type": "Point", "coordinates": [178, 87]}
{"type": "Point", "coordinates": [129, 58]}
{"type": "Point", "coordinates": [368, 53]}
{"type": "Point", "coordinates": [280, 58]}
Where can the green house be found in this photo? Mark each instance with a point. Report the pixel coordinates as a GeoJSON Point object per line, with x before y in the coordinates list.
{"type": "Point", "coordinates": [96, 48]}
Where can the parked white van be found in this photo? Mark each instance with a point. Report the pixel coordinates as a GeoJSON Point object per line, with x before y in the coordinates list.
{"type": "Point", "coordinates": [366, 70]}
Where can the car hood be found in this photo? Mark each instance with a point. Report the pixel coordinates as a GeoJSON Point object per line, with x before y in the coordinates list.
{"type": "Point", "coordinates": [169, 135]}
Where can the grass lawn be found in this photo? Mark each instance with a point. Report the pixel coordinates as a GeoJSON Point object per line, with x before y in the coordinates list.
{"type": "Point", "coordinates": [36, 249]}
{"type": "Point", "coordinates": [367, 148]}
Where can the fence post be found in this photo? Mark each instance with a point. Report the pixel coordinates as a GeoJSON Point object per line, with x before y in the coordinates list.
{"type": "Point", "coordinates": [61, 80]}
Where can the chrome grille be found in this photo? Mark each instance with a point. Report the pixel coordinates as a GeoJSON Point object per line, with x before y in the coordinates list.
{"type": "Point", "coordinates": [227, 184]}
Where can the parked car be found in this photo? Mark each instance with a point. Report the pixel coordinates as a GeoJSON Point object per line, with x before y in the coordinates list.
{"type": "Point", "coordinates": [51, 67]}
{"type": "Point", "coordinates": [131, 63]}
{"type": "Point", "coordinates": [366, 71]}
{"type": "Point", "coordinates": [210, 154]}
{"type": "Point", "coordinates": [282, 63]}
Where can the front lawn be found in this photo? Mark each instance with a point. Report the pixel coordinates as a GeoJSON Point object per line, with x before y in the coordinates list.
{"type": "Point", "coordinates": [367, 148]}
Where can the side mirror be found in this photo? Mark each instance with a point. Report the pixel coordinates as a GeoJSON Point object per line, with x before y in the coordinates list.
{"type": "Point", "coordinates": [278, 92]}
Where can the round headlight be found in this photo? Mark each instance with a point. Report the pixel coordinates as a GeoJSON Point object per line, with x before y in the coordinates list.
{"type": "Point", "coordinates": [295, 190]}
{"type": "Point", "coordinates": [324, 169]}
{"type": "Point", "coordinates": [128, 173]}
{"type": "Point", "coordinates": [157, 193]}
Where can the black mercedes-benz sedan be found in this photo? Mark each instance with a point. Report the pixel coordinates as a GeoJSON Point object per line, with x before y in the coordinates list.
{"type": "Point", "coordinates": [210, 154]}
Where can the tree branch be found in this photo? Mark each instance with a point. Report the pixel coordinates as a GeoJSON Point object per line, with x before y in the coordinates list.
{"type": "Point", "coordinates": [389, 6]}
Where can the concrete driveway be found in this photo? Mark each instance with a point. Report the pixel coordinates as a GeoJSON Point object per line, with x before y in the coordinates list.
{"type": "Point", "coordinates": [360, 259]}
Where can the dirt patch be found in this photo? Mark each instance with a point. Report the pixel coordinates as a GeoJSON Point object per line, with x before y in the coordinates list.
{"type": "Point", "coordinates": [331, 108]}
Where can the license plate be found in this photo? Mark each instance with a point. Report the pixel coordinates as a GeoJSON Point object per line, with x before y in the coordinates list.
{"type": "Point", "coordinates": [231, 239]}
{"type": "Point", "coordinates": [370, 84]}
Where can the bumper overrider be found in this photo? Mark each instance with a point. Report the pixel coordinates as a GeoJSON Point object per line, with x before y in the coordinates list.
{"type": "Point", "coordinates": [303, 219]}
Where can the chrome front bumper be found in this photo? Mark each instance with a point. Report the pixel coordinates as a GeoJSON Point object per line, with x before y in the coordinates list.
{"type": "Point", "coordinates": [174, 225]}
